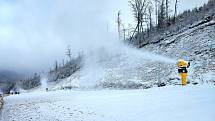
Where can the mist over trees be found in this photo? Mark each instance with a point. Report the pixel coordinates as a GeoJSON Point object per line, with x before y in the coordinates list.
{"type": "Point", "coordinates": [8, 80]}
{"type": "Point", "coordinates": [60, 70]}
{"type": "Point", "coordinates": [65, 70]}
{"type": "Point", "coordinates": [28, 83]}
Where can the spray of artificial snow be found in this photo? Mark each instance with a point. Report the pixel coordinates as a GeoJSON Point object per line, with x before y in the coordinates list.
{"type": "Point", "coordinates": [113, 55]}
{"type": "Point", "coordinates": [43, 82]}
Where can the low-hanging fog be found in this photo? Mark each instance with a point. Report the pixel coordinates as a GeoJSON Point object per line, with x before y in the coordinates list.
{"type": "Point", "coordinates": [35, 33]}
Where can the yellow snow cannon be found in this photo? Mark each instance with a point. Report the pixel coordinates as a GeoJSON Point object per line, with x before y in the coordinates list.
{"type": "Point", "coordinates": [182, 70]}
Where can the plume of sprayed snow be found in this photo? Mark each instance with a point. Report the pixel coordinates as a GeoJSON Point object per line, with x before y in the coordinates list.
{"type": "Point", "coordinates": [110, 54]}
{"type": "Point", "coordinates": [44, 82]}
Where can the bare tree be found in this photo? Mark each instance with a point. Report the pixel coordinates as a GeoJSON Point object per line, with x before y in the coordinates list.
{"type": "Point", "coordinates": [68, 52]}
{"type": "Point", "coordinates": [119, 24]}
{"type": "Point", "coordinates": [157, 4]}
{"type": "Point", "coordinates": [161, 16]}
{"type": "Point", "coordinates": [176, 7]}
{"type": "Point", "coordinates": [56, 65]}
{"type": "Point", "coordinates": [150, 10]}
{"type": "Point", "coordinates": [130, 30]}
{"type": "Point", "coordinates": [167, 12]}
{"type": "Point", "coordinates": [139, 8]}
{"type": "Point", "coordinates": [124, 32]}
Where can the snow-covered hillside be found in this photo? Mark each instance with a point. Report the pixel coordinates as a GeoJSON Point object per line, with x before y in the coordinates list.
{"type": "Point", "coordinates": [118, 67]}
{"type": "Point", "coordinates": [171, 103]}
{"type": "Point", "coordinates": [197, 45]}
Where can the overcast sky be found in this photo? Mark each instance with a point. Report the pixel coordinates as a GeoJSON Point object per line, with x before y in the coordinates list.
{"type": "Point", "coordinates": [35, 33]}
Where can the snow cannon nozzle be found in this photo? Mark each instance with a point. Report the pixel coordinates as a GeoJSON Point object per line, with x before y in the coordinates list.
{"type": "Point", "coordinates": [183, 63]}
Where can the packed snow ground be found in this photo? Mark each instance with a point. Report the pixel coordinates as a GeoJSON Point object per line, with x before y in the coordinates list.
{"type": "Point", "coordinates": [171, 103]}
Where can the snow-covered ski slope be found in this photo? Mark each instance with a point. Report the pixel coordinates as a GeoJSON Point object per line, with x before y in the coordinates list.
{"type": "Point", "coordinates": [171, 103]}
